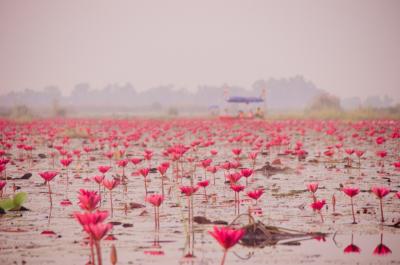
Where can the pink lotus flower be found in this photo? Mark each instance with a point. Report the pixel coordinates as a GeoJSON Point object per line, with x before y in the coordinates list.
{"type": "Point", "coordinates": [351, 192]}
{"type": "Point", "coordinates": [237, 151]}
{"type": "Point", "coordinates": [123, 163]}
{"type": "Point", "coordinates": [110, 184]}
{"type": "Point", "coordinates": [136, 160]}
{"type": "Point", "coordinates": [99, 179]}
{"type": "Point", "coordinates": [381, 192]}
{"type": "Point", "coordinates": [104, 169]}
{"type": "Point", "coordinates": [317, 206]}
{"type": "Point", "coordinates": [97, 232]}
{"type": "Point", "coordinates": [88, 200]}
{"type": "Point", "coordinates": [206, 162]}
{"type": "Point", "coordinates": [237, 188]}
{"type": "Point", "coordinates": [204, 184]}
{"type": "Point", "coordinates": [312, 187]}
{"type": "Point", "coordinates": [188, 190]}
{"type": "Point", "coordinates": [48, 175]}
{"type": "Point", "coordinates": [255, 194]}
{"type": "Point", "coordinates": [227, 237]}
{"type": "Point", "coordinates": [246, 172]}
{"type": "Point", "coordinates": [144, 172]}
{"type": "Point", "coordinates": [66, 162]}
{"type": "Point", "coordinates": [156, 200]}
{"type": "Point", "coordinates": [162, 169]}
{"type": "Point", "coordinates": [91, 217]}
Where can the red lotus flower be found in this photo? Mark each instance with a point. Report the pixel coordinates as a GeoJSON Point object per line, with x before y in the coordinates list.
{"type": "Point", "coordinates": [329, 153]}
{"type": "Point", "coordinates": [380, 192]}
{"type": "Point", "coordinates": [136, 160]}
{"type": "Point", "coordinates": [318, 205]}
{"type": "Point", "coordinates": [188, 190]}
{"type": "Point", "coordinates": [77, 152]}
{"type": "Point", "coordinates": [98, 231]}
{"type": "Point", "coordinates": [144, 171]}
{"type": "Point", "coordinates": [91, 217]}
{"type": "Point", "coordinates": [123, 163]}
{"type": "Point", "coordinates": [155, 199]}
{"type": "Point", "coordinates": [88, 200]}
{"type": "Point", "coordinates": [203, 183]}
{"type": "Point", "coordinates": [104, 169]}
{"type": "Point", "coordinates": [381, 153]}
{"type": "Point", "coordinates": [48, 175]}
{"type": "Point", "coordinates": [87, 149]}
{"type": "Point", "coordinates": [66, 162]}
{"type": "Point", "coordinates": [236, 151]}
{"type": "Point", "coordinates": [227, 237]}
{"type": "Point", "coordinates": [110, 184]}
{"type": "Point", "coordinates": [212, 169]}
{"type": "Point", "coordinates": [162, 169]}
{"type": "Point", "coordinates": [255, 194]}
{"type": "Point", "coordinates": [253, 155]}
{"type": "Point", "coordinates": [226, 165]}
{"type": "Point", "coordinates": [246, 172]}
{"type": "Point", "coordinates": [99, 179]}
{"type": "Point", "coordinates": [349, 151]}
{"type": "Point", "coordinates": [206, 162]}
{"type": "Point", "coordinates": [398, 194]}
{"type": "Point", "coordinates": [359, 153]}
{"type": "Point", "coordinates": [237, 188]}
{"type": "Point", "coordinates": [380, 140]}
{"type": "Point", "coordinates": [312, 187]}
{"type": "Point", "coordinates": [234, 177]}
{"type": "Point", "coordinates": [351, 192]}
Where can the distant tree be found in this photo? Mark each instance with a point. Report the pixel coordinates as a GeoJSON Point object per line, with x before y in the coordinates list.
{"type": "Point", "coordinates": [21, 113]}
{"type": "Point", "coordinates": [325, 101]}
{"type": "Point", "coordinates": [173, 111]}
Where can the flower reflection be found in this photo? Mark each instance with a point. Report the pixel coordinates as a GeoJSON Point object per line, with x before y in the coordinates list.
{"type": "Point", "coordinates": [352, 248]}
{"type": "Point", "coordinates": [320, 238]}
{"type": "Point", "coordinates": [155, 249]}
{"type": "Point", "coordinates": [382, 249]}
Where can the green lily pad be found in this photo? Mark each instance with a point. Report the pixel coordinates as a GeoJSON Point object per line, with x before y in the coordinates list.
{"type": "Point", "coordinates": [15, 203]}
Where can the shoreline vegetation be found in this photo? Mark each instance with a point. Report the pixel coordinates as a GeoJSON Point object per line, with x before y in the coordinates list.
{"type": "Point", "coordinates": [25, 114]}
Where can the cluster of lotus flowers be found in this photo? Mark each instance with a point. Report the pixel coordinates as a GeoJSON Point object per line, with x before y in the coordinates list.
{"type": "Point", "coordinates": [118, 136]}
{"type": "Point", "coordinates": [380, 193]}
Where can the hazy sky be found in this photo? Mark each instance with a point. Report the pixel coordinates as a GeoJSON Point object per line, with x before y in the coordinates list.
{"type": "Point", "coordinates": [347, 47]}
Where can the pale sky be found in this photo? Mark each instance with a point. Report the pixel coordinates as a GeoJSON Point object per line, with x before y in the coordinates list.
{"type": "Point", "coordinates": [347, 47]}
